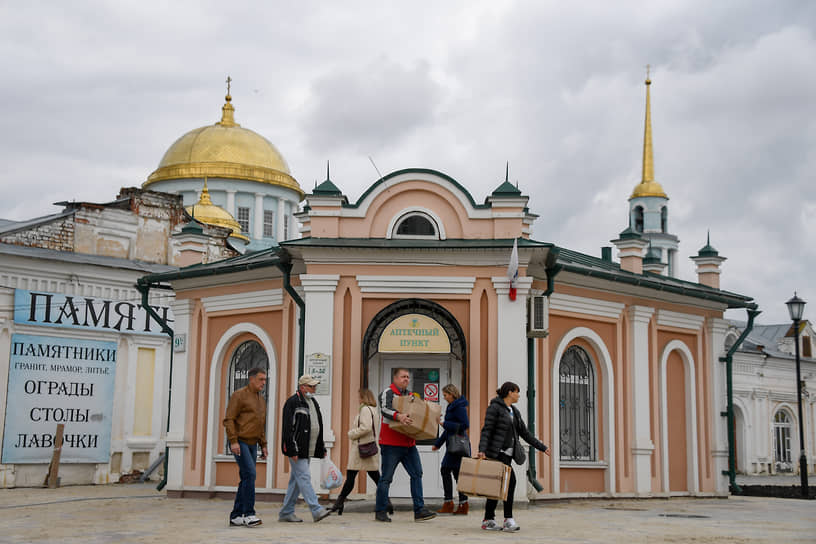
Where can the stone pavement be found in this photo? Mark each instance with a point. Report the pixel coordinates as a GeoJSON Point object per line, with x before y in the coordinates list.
{"type": "Point", "coordinates": [138, 513]}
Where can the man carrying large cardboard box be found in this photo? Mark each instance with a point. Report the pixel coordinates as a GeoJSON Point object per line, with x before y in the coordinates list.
{"type": "Point", "coordinates": [396, 448]}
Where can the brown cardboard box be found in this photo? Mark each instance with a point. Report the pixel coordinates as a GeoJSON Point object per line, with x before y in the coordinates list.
{"type": "Point", "coordinates": [484, 477]}
{"type": "Point", "coordinates": [425, 416]}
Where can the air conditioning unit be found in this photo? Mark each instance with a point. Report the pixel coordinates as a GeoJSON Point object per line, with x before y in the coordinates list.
{"type": "Point", "coordinates": [538, 317]}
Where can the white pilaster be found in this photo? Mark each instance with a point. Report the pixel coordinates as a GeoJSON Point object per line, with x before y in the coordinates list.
{"type": "Point", "coordinates": [257, 233]}
{"type": "Point", "coordinates": [319, 292]}
{"type": "Point", "coordinates": [511, 317]}
{"type": "Point", "coordinates": [176, 439]}
{"type": "Point", "coordinates": [642, 447]}
{"type": "Point", "coordinates": [716, 333]}
{"type": "Point", "coordinates": [281, 219]}
{"type": "Point", "coordinates": [231, 201]}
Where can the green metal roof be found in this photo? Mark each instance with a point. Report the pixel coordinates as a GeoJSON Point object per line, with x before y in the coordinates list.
{"type": "Point", "coordinates": [506, 189]}
{"type": "Point", "coordinates": [587, 265]}
{"type": "Point", "coordinates": [327, 188]}
{"type": "Point", "coordinates": [569, 260]}
{"type": "Point", "coordinates": [257, 259]}
{"type": "Point", "coordinates": [416, 171]}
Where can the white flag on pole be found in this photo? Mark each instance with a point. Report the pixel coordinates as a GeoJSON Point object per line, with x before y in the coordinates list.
{"type": "Point", "coordinates": [512, 270]}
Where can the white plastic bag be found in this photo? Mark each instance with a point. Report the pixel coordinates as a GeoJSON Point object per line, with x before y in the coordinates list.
{"type": "Point", "coordinates": [330, 475]}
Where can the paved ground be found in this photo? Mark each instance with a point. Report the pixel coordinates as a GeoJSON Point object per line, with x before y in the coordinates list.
{"type": "Point", "coordinates": [138, 513]}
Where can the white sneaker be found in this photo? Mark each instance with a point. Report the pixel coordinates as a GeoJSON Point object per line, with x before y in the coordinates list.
{"type": "Point", "coordinates": [238, 521]}
{"type": "Point", "coordinates": [252, 520]}
{"type": "Point", "coordinates": [510, 525]}
{"type": "Point", "coordinates": [491, 525]}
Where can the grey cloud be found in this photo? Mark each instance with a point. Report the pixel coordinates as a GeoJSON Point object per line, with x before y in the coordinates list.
{"type": "Point", "coordinates": [372, 108]}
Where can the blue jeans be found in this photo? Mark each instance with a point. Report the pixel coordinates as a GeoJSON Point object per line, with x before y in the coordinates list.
{"type": "Point", "coordinates": [245, 496]}
{"type": "Point", "coordinates": [392, 456]}
{"type": "Point", "coordinates": [300, 481]}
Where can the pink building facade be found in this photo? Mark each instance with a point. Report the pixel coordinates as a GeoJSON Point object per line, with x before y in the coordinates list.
{"type": "Point", "coordinates": [618, 369]}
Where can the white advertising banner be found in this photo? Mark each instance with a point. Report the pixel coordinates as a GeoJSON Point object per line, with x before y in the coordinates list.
{"type": "Point", "coordinates": [81, 312]}
{"type": "Point", "coordinates": [59, 380]}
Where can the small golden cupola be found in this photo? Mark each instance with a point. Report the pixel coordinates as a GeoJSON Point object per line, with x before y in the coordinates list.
{"type": "Point", "coordinates": [207, 212]}
{"type": "Point", "coordinates": [648, 186]}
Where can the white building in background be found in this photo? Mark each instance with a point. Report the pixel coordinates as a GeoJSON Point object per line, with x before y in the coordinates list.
{"type": "Point", "coordinates": [76, 346]}
{"type": "Point", "coordinates": [765, 409]}
{"type": "Point", "coordinates": [67, 295]}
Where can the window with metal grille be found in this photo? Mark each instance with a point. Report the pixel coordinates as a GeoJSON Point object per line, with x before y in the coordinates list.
{"type": "Point", "coordinates": [243, 219]}
{"type": "Point", "coordinates": [577, 403]}
{"type": "Point", "coordinates": [248, 355]}
{"type": "Point", "coordinates": [782, 441]}
{"type": "Point", "coordinates": [285, 227]}
{"type": "Point", "coordinates": [269, 224]}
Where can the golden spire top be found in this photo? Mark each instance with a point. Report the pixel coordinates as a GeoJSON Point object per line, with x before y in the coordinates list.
{"type": "Point", "coordinates": [648, 159]}
{"type": "Point", "coordinates": [648, 186]}
{"type": "Point", "coordinates": [204, 199]}
{"type": "Point", "coordinates": [227, 110]}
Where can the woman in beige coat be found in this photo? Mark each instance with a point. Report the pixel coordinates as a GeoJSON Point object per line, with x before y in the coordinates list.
{"type": "Point", "coordinates": [363, 431]}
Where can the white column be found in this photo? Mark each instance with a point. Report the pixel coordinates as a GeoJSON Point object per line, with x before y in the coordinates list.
{"type": "Point", "coordinates": [319, 292]}
{"type": "Point", "coordinates": [511, 317]}
{"type": "Point", "coordinates": [176, 439]}
{"type": "Point", "coordinates": [281, 219]}
{"type": "Point", "coordinates": [259, 216]}
{"type": "Point", "coordinates": [643, 446]}
{"type": "Point", "coordinates": [719, 402]}
{"type": "Point", "coordinates": [231, 201]}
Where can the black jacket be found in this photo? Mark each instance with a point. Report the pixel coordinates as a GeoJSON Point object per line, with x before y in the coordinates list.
{"type": "Point", "coordinates": [498, 433]}
{"type": "Point", "coordinates": [296, 428]}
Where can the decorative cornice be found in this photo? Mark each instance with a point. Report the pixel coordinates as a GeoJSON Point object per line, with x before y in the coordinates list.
{"type": "Point", "coordinates": [225, 170]}
{"type": "Point", "coordinates": [461, 285]}
{"type": "Point", "coordinates": [239, 301]}
{"type": "Point", "coordinates": [319, 283]}
{"type": "Point", "coordinates": [182, 308]}
{"type": "Point", "coordinates": [584, 305]}
{"type": "Point", "coordinates": [502, 285]}
{"type": "Point", "coordinates": [668, 318]}
{"type": "Point", "coordinates": [640, 314]}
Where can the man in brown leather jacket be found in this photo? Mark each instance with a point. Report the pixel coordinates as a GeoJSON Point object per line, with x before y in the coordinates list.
{"type": "Point", "coordinates": [245, 422]}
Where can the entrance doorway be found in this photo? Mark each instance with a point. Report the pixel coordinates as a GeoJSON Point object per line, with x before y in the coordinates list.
{"type": "Point", "coordinates": [429, 374]}
{"type": "Point", "coordinates": [391, 343]}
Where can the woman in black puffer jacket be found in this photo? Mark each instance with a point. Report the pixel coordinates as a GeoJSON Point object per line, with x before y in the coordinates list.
{"type": "Point", "coordinates": [500, 440]}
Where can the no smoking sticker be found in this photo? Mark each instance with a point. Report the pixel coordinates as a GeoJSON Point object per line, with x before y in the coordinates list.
{"type": "Point", "coordinates": [432, 392]}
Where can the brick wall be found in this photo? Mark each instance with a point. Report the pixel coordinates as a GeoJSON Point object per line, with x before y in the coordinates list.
{"type": "Point", "coordinates": [58, 235]}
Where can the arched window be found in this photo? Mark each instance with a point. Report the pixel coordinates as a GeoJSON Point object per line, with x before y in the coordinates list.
{"type": "Point", "coordinates": [416, 225]}
{"type": "Point", "coordinates": [782, 441]}
{"type": "Point", "coordinates": [577, 406]}
{"type": "Point", "coordinates": [247, 355]}
{"type": "Point", "coordinates": [664, 219]}
{"type": "Point", "coordinates": [637, 217]}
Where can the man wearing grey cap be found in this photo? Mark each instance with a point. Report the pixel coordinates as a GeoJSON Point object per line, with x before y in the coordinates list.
{"type": "Point", "coordinates": [302, 439]}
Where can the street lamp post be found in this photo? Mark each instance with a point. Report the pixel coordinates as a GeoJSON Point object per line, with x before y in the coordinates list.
{"type": "Point", "coordinates": [796, 307]}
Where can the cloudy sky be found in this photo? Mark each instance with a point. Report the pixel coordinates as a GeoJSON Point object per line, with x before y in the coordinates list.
{"type": "Point", "coordinates": [94, 93]}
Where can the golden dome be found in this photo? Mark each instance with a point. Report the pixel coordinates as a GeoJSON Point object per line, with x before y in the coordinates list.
{"type": "Point", "coordinates": [207, 212]}
{"type": "Point", "coordinates": [224, 150]}
{"type": "Point", "coordinates": [648, 188]}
